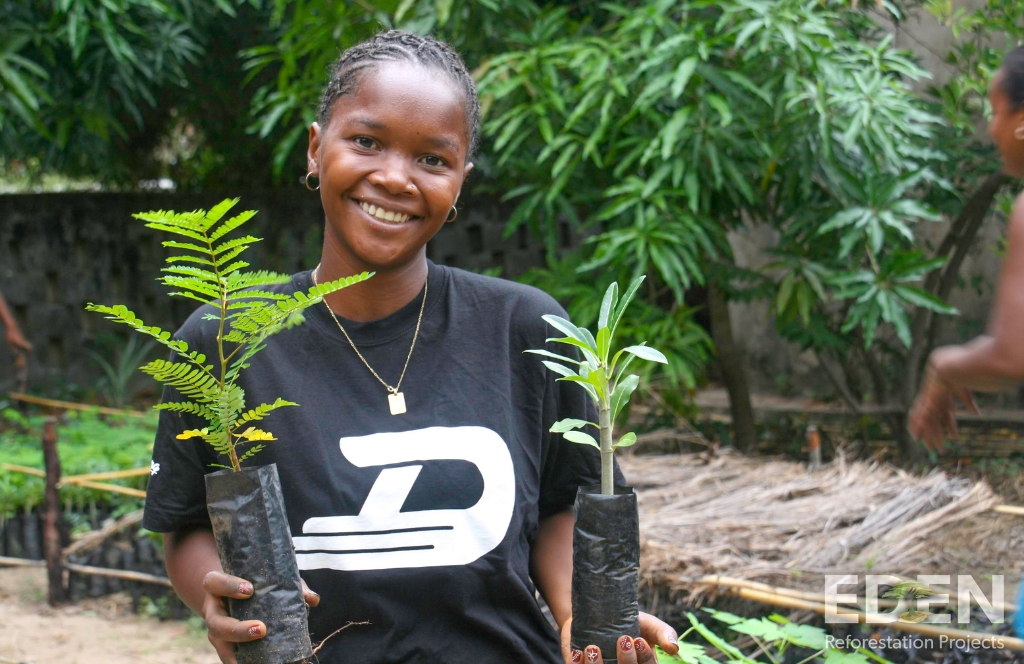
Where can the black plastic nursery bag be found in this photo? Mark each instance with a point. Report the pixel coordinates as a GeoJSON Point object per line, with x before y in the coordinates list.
{"type": "Point", "coordinates": [255, 543]}
{"type": "Point", "coordinates": [606, 569]}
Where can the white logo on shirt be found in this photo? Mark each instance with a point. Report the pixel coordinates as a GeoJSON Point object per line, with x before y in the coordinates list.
{"type": "Point", "coordinates": [383, 537]}
{"type": "Point", "coordinates": [154, 468]}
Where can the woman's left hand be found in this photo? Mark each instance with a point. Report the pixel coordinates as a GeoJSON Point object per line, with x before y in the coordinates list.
{"type": "Point", "coordinates": [653, 632]}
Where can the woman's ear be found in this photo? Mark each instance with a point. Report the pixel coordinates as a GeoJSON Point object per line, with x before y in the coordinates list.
{"type": "Point", "coordinates": [313, 151]}
{"type": "Point", "coordinates": [466, 170]}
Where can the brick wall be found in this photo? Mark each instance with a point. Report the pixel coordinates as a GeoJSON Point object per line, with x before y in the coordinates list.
{"type": "Point", "coordinates": [60, 251]}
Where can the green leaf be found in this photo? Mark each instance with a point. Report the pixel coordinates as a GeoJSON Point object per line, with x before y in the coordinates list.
{"type": "Point", "coordinates": [722, 106]}
{"type": "Point", "coordinates": [682, 76]}
{"type": "Point", "coordinates": [569, 329]}
{"type": "Point", "coordinates": [628, 440]}
{"type": "Point", "coordinates": [611, 298]}
{"type": "Point", "coordinates": [647, 353]}
{"type": "Point", "coordinates": [622, 392]}
{"type": "Point", "coordinates": [568, 424]}
{"type": "Point", "coordinates": [581, 438]}
{"type": "Point", "coordinates": [560, 369]}
{"type": "Point", "coordinates": [624, 302]}
{"type": "Point", "coordinates": [603, 341]}
{"type": "Point", "coordinates": [555, 356]}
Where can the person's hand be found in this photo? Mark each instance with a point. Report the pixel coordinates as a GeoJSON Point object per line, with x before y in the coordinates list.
{"type": "Point", "coordinates": [16, 340]}
{"type": "Point", "coordinates": [931, 416]}
{"type": "Point", "coordinates": [223, 630]}
{"type": "Point", "coordinates": [653, 632]}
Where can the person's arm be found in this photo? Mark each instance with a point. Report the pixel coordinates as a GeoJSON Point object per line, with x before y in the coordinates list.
{"type": "Point", "coordinates": [551, 564]}
{"type": "Point", "coordinates": [551, 569]}
{"type": "Point", "coordinates": [15, 339]}
{"type": "Point", "coordinates": [994, 361]}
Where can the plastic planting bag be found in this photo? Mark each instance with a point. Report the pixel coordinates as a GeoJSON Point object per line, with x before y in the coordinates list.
{"type": "Point", "coordinates": [605, 569]}
{"type": "Point", "coordinates": [255, 543]}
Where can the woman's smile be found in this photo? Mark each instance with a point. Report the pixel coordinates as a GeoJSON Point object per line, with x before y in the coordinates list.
{"type": "Point", "coordinates": [382, 212]}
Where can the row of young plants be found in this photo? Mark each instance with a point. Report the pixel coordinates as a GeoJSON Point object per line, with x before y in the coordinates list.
{"type": "Point", "coordinates": [88, 443]}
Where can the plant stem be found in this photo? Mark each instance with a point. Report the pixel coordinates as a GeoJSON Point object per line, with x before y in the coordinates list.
{"type": "Point", "coordinates": [605, 422]}
{"type": "Point", "coordinates": [235, 465]}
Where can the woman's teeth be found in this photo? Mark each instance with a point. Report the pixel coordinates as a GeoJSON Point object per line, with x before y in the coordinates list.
{"type": "Point", "coordinates": [384, 215]}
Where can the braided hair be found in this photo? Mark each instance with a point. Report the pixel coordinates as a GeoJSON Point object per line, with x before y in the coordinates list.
{"type": "Point", "coordinates": [1013, 77]}
{"type": "Point", "coordinates": [397, 46]}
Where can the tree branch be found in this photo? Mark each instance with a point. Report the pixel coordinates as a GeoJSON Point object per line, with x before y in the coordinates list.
{"type": "Point", "coordinates": [940, 282]}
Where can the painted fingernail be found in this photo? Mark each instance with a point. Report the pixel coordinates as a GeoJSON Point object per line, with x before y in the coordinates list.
{"type": "Point", "coordinates": [577, 656]}
{"type": "Point", "coordinates": [641, 645]}
{"type": "Point", "coordinates": [592, 654]}
{"type": "Point", "coordinates": [626, 644]}
{"type": "Point", "coordinates": [255, 630]}
{"type": "Point", "coordinates": [244, 588]}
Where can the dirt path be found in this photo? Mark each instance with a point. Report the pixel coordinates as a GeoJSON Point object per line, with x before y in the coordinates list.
{"type": "Point", "coordinates": [102, 631]}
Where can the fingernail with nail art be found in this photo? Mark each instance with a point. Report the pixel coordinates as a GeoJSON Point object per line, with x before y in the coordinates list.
{"type": "Point", "coordinates": [577, 656]}
{"type": "Point", "coordinates": [592, 654]}
{"type": "Point", "coordinates": [641, 645]}
{"type": "Point", "coordinates": [626, 644]}
{"type": "Point", "coordinates": [244, 588]}
{"type": "Point", "coordinates": [255, 630]}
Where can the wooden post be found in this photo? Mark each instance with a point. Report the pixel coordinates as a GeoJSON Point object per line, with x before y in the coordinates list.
{"type": "Point", "coordinates": [814, 447]}
{"type": "Point", "coordinates": [51, 521]}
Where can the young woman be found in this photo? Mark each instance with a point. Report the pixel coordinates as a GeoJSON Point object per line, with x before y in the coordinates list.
{"type": "Point", "coordinates": [425, 494]}
{"type": "Point", "coordinates": [993, 361]}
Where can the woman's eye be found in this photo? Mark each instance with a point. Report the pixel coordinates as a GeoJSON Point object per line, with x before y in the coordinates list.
{"type": "Point", "coordinates": [431, 160]}
{"type": "Point", "coordinates": [366, 142]}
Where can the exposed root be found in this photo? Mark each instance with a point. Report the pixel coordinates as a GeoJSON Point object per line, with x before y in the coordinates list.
{"type": "Point", "coordinates": [335, 633]}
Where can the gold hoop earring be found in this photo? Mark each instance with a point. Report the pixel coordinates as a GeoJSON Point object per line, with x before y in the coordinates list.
{"type": "Point", "coordinates": [1018, 133]}
{"type": "Point", "coordinates": [307, 182]}
{"type": "Point", "coordinates": [451, 215]}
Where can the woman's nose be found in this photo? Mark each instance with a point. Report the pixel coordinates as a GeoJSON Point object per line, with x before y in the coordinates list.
{"type": "Point", "coordinates": [393, 175]}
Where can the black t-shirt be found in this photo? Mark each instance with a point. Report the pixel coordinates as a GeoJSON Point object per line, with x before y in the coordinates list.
{"type": "Point", "coordinates": [419, 523]}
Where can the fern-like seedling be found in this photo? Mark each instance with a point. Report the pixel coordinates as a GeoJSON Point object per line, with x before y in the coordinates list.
{"type": "Point", "coordinates": [601, 373]}
{"type": "Point", "coordinates": [206, 268]}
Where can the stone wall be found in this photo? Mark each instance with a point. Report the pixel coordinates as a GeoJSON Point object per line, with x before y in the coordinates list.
{"type": "Point", "coordinates": [60, 251]}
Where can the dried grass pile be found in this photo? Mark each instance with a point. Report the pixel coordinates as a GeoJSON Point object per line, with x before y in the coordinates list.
{"type": "Point", "coordinates": [772, 520]}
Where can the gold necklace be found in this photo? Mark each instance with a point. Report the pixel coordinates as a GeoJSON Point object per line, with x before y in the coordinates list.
{"type": "Point", "coordinates": [396, 400]}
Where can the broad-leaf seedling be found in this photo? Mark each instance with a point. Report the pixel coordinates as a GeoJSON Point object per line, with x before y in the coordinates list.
{"type": "Point", "coordinates": [601, 374]}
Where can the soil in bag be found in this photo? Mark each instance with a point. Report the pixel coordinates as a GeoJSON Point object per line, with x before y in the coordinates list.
{"type": "Point", "coordinates": [606, 569]}
{"type": "Point", "coordinates": [254, 543]}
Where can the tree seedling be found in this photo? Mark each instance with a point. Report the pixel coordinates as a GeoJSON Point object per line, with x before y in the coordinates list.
{"type": "Point", "coordinates": [601, 374]}
{"type": "Point", "coordinates": [207, 269]}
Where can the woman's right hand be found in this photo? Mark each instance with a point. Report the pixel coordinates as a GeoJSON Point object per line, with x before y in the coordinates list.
{"type": "Point", "coordinates": [223, 630]}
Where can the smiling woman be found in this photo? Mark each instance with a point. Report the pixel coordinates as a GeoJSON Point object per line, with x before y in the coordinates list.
{"type": "Point", "coordinates": [431, 515]}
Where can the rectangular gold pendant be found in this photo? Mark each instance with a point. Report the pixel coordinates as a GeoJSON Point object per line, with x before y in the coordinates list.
{"type": "Point", "coordinates": [397, 403]}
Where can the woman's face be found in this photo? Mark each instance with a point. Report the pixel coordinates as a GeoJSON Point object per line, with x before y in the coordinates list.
{"type": "Point", "coordinates": [1003, 128]}
{"type": "Point", "coordinates": [391, 163]}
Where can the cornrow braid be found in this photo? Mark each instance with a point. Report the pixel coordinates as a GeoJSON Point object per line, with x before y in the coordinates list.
{"type": "Point", "coordinates": [398, 46]}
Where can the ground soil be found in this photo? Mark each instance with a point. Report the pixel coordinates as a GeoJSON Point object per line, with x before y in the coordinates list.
{"type": "Point", "coordinates": [99, 631]}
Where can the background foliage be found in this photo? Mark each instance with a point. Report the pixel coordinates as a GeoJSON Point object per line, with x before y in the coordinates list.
{"type": "Point", "coordinates": [656, 127]}
{"type": "Point", "coordinates": [88, 444]}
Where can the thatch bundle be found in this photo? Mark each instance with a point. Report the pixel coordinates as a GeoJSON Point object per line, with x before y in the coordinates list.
{"type": "Point", "coordinates": [772, 520]}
